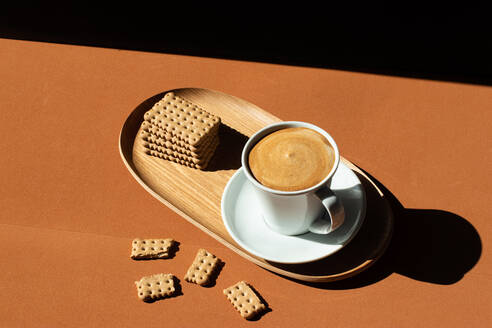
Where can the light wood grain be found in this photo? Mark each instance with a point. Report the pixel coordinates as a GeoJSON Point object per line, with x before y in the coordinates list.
{"type": "Point", "coordinates": [196, 194]}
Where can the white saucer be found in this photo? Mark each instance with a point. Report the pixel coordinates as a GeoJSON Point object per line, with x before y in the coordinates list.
{"type": "Point", "coordinates": [243, 220]}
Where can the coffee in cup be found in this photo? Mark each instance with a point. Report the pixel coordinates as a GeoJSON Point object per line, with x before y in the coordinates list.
{"type": "Point", "coordinates": [290, 166]}
{"type": "Point", "coordinates": [291, 159]}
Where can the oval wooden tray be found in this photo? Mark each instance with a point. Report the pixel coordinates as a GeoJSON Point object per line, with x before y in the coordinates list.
{"type": "Point", "coordinates": [196, 194]}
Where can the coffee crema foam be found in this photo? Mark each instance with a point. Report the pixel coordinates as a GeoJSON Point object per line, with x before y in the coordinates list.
{"type": "Point", "coordinates": [291, 159]}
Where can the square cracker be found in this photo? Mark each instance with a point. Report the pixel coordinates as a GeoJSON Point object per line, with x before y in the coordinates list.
{"type": "Point", "coordinates": [153, 150]}
{"type": "Point", "coordinates": [155, 287]}
{"type": "Point", "coordinates": [202, 159]}
{"type": "Point", "coordinates": [178, 160]}
{"type": "Point", "coordinates": [202, 268]}
{"type": "Point", "coordinates": [165, 137]}
{"type": "Point", "coordinates": [182, 119]}
{"type": "Point", "coordinates": [149, 137]}
{"type": "Point", "coordinates": [244, 300]}
{"type": "Point", "coordinates": [151, 248]}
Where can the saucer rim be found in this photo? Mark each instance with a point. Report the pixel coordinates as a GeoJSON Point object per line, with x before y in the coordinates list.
{"type": "Point", "coordinates": [253, 252]}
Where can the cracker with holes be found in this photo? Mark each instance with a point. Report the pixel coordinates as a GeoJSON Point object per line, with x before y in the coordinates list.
{"type": "Point", "coordinates": [152, 135]}
{"type": "Point", "coordinates": [177, 130]}
{"type": "Point", "coordinates": [203, 268]}
{"type": "Point", "coordinates": [145, 249]}
{"type": "Point", "coordinates": [157, 286]}
{"type": "Point", "coordinates": [164, 137]}
{"type": "Point", "coordinates": [244, 300]}
{"type": "Point", "coordinates": [181, 155]}
{"type": "Point", "coordinates": [183, 119]}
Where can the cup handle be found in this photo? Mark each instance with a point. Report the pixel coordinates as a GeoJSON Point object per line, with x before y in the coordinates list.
{"type": "Point", "coordinates": [336, 213]}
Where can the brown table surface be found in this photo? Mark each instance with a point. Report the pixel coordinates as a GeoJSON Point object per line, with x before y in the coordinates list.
{"type": "Point", "coordinates": [69, 208]}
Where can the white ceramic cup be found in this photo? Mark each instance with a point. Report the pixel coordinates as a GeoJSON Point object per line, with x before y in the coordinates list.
{"type": "Point", "coordinates": [316, 209]}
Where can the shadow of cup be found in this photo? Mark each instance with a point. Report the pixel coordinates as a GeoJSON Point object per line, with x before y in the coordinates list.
{"type": "Point", "coordinates": [227, 155]}
{"type": "Point", "coordinates": [428, 245]}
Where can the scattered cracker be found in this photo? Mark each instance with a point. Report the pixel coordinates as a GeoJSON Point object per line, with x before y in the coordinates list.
{"type": "Point", "coordinates": [155, 287]}
{"type": "Point", "coordinates": [151, 248]}
{"type": "Point", "coordinates": [244, 300]}
{"type": "Point", "coordinates": [202, 268]}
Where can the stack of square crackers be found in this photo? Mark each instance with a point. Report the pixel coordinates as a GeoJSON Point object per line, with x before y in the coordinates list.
{"type": "Point", "coordinates": [177, 130]}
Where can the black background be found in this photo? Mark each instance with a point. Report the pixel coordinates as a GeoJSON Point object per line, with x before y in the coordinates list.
{"type": "Point", "coordinates": [442, 41]}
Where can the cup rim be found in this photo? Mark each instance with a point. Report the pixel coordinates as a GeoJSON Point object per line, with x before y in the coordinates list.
{"type": "Point", "coordinates": [258, 135]}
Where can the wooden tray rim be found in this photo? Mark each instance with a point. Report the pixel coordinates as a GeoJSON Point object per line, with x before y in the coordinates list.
{"type": "Point", "coordinates": [326, 278]}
